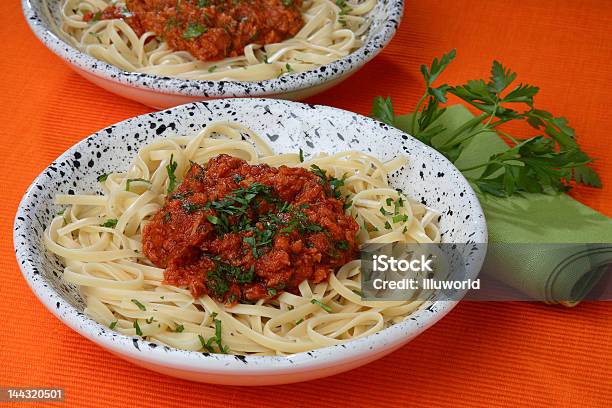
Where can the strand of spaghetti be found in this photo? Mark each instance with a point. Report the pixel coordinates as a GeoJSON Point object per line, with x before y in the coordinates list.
{"type": "Point", "coordinates": [86, 280]}
{"type": "Point", "coordinates": [69, 199]}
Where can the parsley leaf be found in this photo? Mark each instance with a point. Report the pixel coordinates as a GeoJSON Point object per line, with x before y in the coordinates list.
{"type": "Point", "coordinates": [322, 305]}
{"type": "Point", "coordinates": [110, 223]}
{"type": "Point", "coordinates": [140, 305]}
{"type": "Point", "coordinates": [137, 327]}
{"type": "Point", "coordinates": [216, 339]}
{"type": "Point", "coordinates": [437, 67]}
{"type": "Point", "coordinates": [382, 109]}
{"type": "Point", "coordinates": [501, 77]}
{"type": "Point", "coordinates": [194, 30]}
{"type": "Point", "coordinates": [171, 169]}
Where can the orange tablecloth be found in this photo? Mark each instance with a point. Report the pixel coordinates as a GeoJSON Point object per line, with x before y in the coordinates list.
{"type": "Point", "coordinates": [486, 354]}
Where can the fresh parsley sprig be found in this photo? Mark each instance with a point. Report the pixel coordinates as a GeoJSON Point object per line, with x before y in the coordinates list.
{"type": "Point", "coordinates": [546, 162]}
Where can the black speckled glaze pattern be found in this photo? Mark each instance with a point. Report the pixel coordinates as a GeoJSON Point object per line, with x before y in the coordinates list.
{"type": "Point", "coordinates": [286, 126]}
{"type": "Point", "coordinates": [385, 19]}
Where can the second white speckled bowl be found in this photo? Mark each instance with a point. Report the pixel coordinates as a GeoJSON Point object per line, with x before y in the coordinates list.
{"type": "Point", "coordinates": [165, 92]}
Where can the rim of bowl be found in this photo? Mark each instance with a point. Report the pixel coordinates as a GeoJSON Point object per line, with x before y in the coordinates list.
{"type": "Point", "coordinates": [195, 361]}
{"type": "Point", "coordinates": [226, 88]}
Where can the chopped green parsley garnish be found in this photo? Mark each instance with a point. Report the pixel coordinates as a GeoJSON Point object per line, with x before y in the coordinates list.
{"type": "Point", "coordinates": [110, 223]}
{"type": "Point", "coordinates": [191, 207]}
{"type": "Point", "coordinates": [334, 183]}
{"type": "Point", "coordinates": [129, 181]}
{"type": "Point", "coordinates": [343, 245]}
{"type": "Point", "coordinates": [216, 339]}
{"type": "Point", "coordinates": [322, 305]}
{"type": "Point", "coordinates": [194, 30]}
{"type": "Point", "coordinates": [97, 16]}
{"type": "Point", "coordinates": [217, 279]}
{"type": "Point", "coordinates": [344, 10]}
{"type": "Point", "coordinates": [318, 171]}
{"type": "Point", "coordinates": [400, 218]}
{"type": "Point", "coordinates": [171, 168]}
{"type": "Point", "coordinates": [385, 212]}
{"type": "Point", "coordinates": [140, 305]}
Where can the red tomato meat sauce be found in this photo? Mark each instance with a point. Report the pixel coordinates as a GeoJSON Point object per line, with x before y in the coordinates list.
{"type": "Point", "coordinates": [210, 29]}
{"type": "Point", "coordinates": [239, 232]}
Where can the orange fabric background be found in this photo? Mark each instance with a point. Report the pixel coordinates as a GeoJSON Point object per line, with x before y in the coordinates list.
{"type": "Point", "coordinates": [482, 354]}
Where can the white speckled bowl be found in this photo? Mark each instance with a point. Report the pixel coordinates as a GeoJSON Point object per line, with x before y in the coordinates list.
{"type": "Point", "coordinates": [163, 92]}
{"type": "Point", "coordinates": [287, 126]}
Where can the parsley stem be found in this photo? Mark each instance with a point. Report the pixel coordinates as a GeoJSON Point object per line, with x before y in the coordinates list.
{"type": "Point", "coordinates": [476, 167]}
{"type": "Point", "coordinates": [480, 106]}
{"type": "Point", "coordinates": [502, 121]}
{"type": "Point", "coordinates": [467, 125]}
{"type": "Point", "coordinates": [507, 135]}
{"type": "Point", "coordinates": [470, 135]}
{"type": "Point", "coordinates": [493, 114]}
{"type": "Point", "coordinates": [416, 112]}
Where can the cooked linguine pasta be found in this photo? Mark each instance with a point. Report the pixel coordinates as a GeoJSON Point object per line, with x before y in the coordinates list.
{"type": "Point", "coordinates": [99, 239]}
{"type": "Point", "coordinates": [331, 30]}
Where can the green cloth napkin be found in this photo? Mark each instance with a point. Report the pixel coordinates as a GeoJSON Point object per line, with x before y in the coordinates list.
{"type": "Point", "coordinates": [556, 274]}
